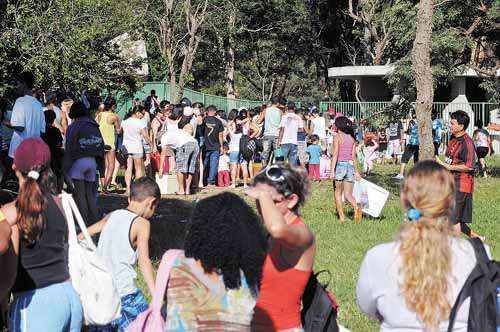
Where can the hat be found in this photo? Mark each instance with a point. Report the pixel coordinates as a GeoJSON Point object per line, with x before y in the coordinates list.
{"type": "Point", "coordinates": [30, 154]}
{"type": "Point", "coordinates": [290, 105]}
{"type": "Point", "coordinates": [188, 111]}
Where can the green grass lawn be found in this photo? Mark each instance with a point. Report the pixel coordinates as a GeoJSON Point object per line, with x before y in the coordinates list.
{"type": "Point", "coordinates": [340, 248]}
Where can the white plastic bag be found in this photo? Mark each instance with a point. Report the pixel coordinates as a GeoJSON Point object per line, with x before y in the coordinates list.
{"type": "Point", "coordinates": [89, 275]}
{"type": "Point", "coordinates": [374, 197]}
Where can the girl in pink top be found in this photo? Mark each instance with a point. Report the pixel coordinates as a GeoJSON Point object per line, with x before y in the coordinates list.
{"type": "Point", "coordinates": [344, 169]}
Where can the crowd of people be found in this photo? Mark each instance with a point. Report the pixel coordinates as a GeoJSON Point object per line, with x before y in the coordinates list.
{"type": "Point", "coordinates": [238, 270]}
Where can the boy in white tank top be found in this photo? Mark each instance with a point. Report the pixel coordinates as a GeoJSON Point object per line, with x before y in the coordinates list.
{"type": "Point", "coordinates": [124, 242]}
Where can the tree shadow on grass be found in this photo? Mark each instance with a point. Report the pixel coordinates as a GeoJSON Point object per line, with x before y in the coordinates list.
{"type": "Point", "coordinates": [168, 224]}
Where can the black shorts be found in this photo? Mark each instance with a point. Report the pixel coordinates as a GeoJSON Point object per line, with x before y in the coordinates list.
{"type": "Point", "coordinates": [410, 151]}
{"type": "Point", "coordinates": [481, 152]}
{"type": "Point", "coordinates": [463, 208]}
{"type": "Point", "coordinates": [436, 148]}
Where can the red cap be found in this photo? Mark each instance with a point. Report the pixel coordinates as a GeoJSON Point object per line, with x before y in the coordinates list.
{"type": "Point", "coordinates": [30, 153]}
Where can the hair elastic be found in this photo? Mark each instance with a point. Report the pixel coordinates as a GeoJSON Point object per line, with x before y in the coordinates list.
{"type": "Point", "coordinates": [33, 175]}
{"type": "Point", "coordinates": [413, 214]}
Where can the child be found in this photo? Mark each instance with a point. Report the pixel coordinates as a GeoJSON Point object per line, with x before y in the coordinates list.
{"type": "Point", "coordinates": [124, 242]}
{"type": "Point", "coordinates": [370, 155]}
{"type": "Point", "coordinates": [54, 140]}
{"type": "Point", "coordinates": [314, 151]}
{"type": "Point", "coordinates": [223, 176]}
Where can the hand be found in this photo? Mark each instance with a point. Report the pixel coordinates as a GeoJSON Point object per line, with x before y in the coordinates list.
{"type": "Point", "coordinates": [160, 173]}
{"type": "Point", "coordinates": [357, 176]}
{"type": "Point", "coordinates": [258, 194]}
{"type": "Point", "coordinates": [221, 152]}
{"type": "Point", "coordinates": [81, 237]}
{"type": "Point", "coordinates": [332, 173]}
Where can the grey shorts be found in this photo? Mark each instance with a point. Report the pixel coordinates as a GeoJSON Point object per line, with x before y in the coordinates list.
{"type": "Point", "coordinates": [186, 157]}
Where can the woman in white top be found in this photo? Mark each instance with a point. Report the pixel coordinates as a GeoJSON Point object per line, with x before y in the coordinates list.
{"type": "Point", "coordinates": [134, 132]}
{"type": "Point", "coordinates": [412, 283]}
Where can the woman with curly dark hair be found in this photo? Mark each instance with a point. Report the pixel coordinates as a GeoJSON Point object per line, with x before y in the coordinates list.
{"type": "Point", "coordinates": [213, 286]}
{"type": "Point", "coordinates": [279, 192]}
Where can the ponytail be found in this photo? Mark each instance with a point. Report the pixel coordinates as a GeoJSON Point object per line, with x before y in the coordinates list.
{"type": "Point", "coordinates": [32, 201]}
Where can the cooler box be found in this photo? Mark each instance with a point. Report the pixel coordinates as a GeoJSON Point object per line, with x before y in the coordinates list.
{"type": "Point", "coordinates": [373, 197]}
{"type": "Point", "coordinates": [168, 184]}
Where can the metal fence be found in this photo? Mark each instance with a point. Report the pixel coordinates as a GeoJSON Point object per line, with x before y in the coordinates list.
{"type": "Point", "coordinates": [163, 91]}
{"type": "Point", "coordinates": [366, 109]}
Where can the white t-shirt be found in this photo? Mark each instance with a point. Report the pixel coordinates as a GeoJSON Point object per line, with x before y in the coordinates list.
{"type": "Point", "coordinates": [27, 113]}
{"type": "Point", "coordinates": [272, 121]}
{"type": "Point", "coordinates": [291, 123]}
{"type": "Point", "coordinates": [378, 286]}
{"type": "Point", "coordinates": [234, 144]}
{"type": "Point", "coordinates": [223, 163]}
{"type": "Point", "coordinates": [176, 138]}
{"type": "Point", "coordinates": [132, 138]}
{"type": "Point", "coordinates": [319, 127]}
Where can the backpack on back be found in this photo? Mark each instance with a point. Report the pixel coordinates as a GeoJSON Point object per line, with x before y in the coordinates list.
{"type": "Point", "coordinates": [482, 287]}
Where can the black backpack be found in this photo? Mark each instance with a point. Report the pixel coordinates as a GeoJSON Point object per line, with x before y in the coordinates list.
{"type": "Point", "coordinates": [482, 287]}
{"type": "Point", "coordinates": [248, 147]}
{"type": "Point", "coordinates": [319, 307]}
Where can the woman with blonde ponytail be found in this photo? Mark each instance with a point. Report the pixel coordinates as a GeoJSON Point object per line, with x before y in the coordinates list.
{"type": "Point", "coordinates": [410, 284]}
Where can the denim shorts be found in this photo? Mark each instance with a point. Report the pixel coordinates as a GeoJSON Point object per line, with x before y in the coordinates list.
{"type": "Point", "coordinates": [236, 158]}
{"type": "Point", "coordinates": [344, 171]}
{"type": "Point", "coordinates": [136, 155]}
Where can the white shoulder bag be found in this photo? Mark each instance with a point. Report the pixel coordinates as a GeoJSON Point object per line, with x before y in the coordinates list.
{"type": "Point", "coordinates": [90, 277]}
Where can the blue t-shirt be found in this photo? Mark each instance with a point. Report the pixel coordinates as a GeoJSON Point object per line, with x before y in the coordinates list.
{"type": "Point", "coordinates": [437, 130]}
{"type": "Point", "coordinates": [413, 133]}
{"type": "Point", "coordinates": [314, 151]}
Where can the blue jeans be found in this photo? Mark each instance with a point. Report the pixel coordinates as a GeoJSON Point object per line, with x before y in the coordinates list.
{"type": "Point", "coordinates": [211, 165]}
{"type": "Point", "coordinates": [290, 153]}
{"type": "Point", "coordinates": [53, 308]}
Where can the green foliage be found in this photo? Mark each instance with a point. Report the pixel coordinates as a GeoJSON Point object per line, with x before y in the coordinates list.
{"type": "Point", "coordinates": [68, 44]}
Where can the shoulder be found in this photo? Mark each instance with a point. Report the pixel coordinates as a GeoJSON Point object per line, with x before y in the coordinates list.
{"type": "Point", "coordinates": [10, 212]}
{"type": "Point", "coordinates": [141, 224]}
{"type": "Point", "coordinates": [383, 253]}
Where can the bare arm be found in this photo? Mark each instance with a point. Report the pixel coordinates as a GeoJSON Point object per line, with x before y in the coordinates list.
{"type": "Point", "coordinates": [262, 116]}
{"type": "Point", "coordinates": [335, 155]}
{"type": "Point", "coordinates": [143, 229]}
{"type": "Point", "coordinates": [5, 234]}
{"type": "Point", "coordinates": [144, 134]}
{"type": "Point", "coordinates": [276, 225]}
{"type": "Point", "coordinates": [95, 228]}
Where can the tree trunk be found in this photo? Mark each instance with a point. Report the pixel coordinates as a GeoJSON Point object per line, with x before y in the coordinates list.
{"type": "Point", "coordinates": [422, 71]}
{"type": "Point", "coordinates": [230, 60]}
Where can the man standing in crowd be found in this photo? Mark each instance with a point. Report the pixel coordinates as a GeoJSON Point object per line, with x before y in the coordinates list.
{"type": "Point", "coordinates": [460, 158]}
{"type": "Point", "coordinates": [290, 126]}
{"type": "Point", "coordinates": [27, 118]}
{"type": "Point", "coordinates": [271, 117]}
{"type": "Point", "coordinates": [395, 134]}
{"type": "Point", "coordinates": [151, 103]}
{"type": "Point", "coordinates": [214, 142]}
{"type": "Point", "coordinates": [437, 133]}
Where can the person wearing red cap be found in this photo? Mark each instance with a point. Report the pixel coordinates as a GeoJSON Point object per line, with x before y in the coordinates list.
{"type": "Point", "coordinates": [43, 294]}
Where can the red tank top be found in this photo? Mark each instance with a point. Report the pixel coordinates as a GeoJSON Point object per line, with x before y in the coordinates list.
{"type": "Point", "coordinates": [279, 303]}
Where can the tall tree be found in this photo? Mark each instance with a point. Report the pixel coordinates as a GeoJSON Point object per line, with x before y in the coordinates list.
{"type": "Point", "coordinates": [422, 71]}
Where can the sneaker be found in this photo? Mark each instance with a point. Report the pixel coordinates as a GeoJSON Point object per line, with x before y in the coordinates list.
{"type": "Point", "coordinates": [399, 177]}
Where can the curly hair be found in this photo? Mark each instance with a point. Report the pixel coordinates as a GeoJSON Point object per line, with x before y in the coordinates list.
{"type": "Point", "coordinates": [425, 244]}
{"type": "Point", "coordinates": [226, 236]}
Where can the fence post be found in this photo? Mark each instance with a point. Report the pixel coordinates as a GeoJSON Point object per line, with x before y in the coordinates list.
{"type": "Point", "coordinates": [483, 115]}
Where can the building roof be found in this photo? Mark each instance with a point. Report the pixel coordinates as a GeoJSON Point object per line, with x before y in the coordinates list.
{"type": "Point", "coordinates": [357, 72]}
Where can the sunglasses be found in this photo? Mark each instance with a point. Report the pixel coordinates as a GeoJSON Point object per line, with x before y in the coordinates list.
{"type": "Point", "coordinates": [277, 174]}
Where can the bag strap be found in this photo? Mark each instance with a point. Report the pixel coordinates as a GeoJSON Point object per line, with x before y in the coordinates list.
{"type": "Point", "coordinates": [329, 277]}
{"type": "Point", "coordinates": [162, 277]}
{"type": "Point", "coordinates": [71, 210]}
{"type": "Point", "coordinates": [482, 260]}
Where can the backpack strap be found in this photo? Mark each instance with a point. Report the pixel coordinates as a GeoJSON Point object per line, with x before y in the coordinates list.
{"type": "Point", "coordinates": [482, 261]}
{"type": "Point", "coordinates": [162, 277]}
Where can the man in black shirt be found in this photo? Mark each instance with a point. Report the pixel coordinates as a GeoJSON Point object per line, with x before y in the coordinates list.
{"type": "Point", "coordinates": [214, 139]}
{"type": "Point", "coordinates": [394, 133]}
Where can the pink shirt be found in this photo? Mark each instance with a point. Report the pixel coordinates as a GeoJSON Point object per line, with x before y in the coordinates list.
{"type": "Point", "coordinates": [345, 148]}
